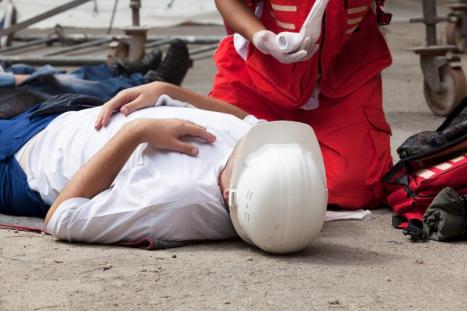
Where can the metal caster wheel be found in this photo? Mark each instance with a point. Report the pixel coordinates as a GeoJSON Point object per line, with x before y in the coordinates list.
{"type": "Point", "coordinates": [454, 36]}
{"type": "Point", "coordinates": [454, 85]}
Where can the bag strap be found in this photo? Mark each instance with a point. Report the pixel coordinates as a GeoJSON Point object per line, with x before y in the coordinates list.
{"type": "Point", "coordinates": [415, 231]}
{"type": "Point", "coordinates": [388, 178]}
{"type": "Point", "coordinates": [464, 229]}
{"type": "Point", "coordinates": [398, 220]}
{"type": "Point", "coordinates": [456, 112]}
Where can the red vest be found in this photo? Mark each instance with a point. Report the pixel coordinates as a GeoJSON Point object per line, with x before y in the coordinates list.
{"type": "Point", "coordinates": [352, 52]}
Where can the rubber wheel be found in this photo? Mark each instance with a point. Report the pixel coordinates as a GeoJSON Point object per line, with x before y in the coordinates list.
{"type": "Point", "coordinates": [454, 85]}
{"type": "Point", "coordinates": [454, 36]}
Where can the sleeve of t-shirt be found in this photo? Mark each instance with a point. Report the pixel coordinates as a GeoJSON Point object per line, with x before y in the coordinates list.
{"type": "Point", "coordinates": [140, 206]}
{"type": "Point", "coordinates": [121, 213]}
{"type": "Point", "coordinates": [107, 218]}
{"type": "Point", "coordinates": [253, 121]}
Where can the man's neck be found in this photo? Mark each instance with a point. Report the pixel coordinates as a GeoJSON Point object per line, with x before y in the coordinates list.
{"type": "Point", "coordinates": [226, 174]}
{"type": "Point", "coordinates": [223, 182]}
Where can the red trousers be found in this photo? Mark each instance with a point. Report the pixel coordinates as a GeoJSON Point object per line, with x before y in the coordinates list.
{"type": "Point", "coordinates": [352, 130]}
{"type": "Point", "coordinates": [355, 141]}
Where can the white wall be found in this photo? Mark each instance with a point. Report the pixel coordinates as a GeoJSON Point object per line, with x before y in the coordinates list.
{"type": "Point", "coordinates": [97, 13]}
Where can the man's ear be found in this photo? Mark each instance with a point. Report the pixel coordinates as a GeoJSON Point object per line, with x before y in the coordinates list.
{"type": "Point", "coordinates": [226, 195]}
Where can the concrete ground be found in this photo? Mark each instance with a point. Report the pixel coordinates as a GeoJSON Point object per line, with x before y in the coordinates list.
{"type": "Point", "coordinates": [353, 265]}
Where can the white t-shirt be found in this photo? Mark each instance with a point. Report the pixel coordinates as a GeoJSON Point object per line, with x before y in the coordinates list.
{"type": "Point", "coordinates": [162, 195]}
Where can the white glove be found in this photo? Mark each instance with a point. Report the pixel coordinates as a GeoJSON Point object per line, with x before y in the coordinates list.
{"type": "Point", "coordinates": [291, 41]}
{"type": "Point", "coordinates": [266, 42]}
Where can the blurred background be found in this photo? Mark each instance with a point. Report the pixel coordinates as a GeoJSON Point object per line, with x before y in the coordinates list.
{"type": "Point", "coordinates": [163, 12]}
{"type": "Point", "coordinates": [98, 13]}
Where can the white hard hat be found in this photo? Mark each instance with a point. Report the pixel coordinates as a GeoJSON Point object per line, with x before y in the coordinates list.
{"type": "Point", "coordinates": [278, 195]}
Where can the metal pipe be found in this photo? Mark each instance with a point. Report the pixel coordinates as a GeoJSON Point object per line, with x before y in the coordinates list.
{"type": "Point", "coordinates": [158, 43]}
{"type": "Point", "coordinates": [54, 61]}
{"type": "Point", "coordinates": [38, 18]}
{"type": "Point", "coordinates": [200, 39]}
{"type": "Point", "coordinates": [112, 17]}
{"type": "Point", "coordinates": [135, 6]}
{"type": "Point", "coordinates": [186, 39]}
{"type": "Point", "coordinates": [74, 37]}
{"type": "Point", "coordinates": [431, 18]}
{"type": "Point", "coordinates": [28, 45]}
{"type": "Point", "coordinates": [78, 47]}
{"type": "Point", "coordinates": [152, 39]}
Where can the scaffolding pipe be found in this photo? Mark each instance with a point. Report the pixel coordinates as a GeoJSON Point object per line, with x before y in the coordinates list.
{"type": "Point", "coordinates": [158, 43]}
{"type": "Point", "coordinates": [38, 18]}
{"type": "Point", "coordinates": [54, 61]}
{"type": "Point", "coordinates": [431, 19]}
{"type": "Point", "coordinates": [190, 39]}
{"type": "Point", "coordinates": [135, 6]}
{"type": "Point", "coordinates": [79, 47]}
{"type": "Point", "coordinates": [77, 62]}
{"type": "Point", "coordinates": [28, 45]}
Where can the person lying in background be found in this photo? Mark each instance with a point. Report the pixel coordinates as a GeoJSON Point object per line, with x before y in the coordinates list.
{"type": "Point", "coordinates": [23, 86]}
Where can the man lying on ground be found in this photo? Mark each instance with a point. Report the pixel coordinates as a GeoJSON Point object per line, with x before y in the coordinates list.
{"type": "Point", "coordinates": [23, 86]}
{"type": "Point", "coordinates": [162, 172]}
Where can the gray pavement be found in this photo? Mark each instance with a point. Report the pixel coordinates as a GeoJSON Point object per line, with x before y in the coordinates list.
{"type": "Point", "coordinates": [353, 265]}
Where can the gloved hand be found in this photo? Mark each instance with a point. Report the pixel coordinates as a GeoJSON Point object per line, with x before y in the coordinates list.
{"type": "Point", "coordinates": [311, 30]}
{"type": "Point", "coordinates": [266, 42]}
{"type": "Point", "coordinates": [288, 42]}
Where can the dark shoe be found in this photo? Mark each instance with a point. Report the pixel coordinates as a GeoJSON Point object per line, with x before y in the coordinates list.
{"type": "Point", "coordinates": [175, 65]}
{"type": "Point", "coordinates": [150, 61]}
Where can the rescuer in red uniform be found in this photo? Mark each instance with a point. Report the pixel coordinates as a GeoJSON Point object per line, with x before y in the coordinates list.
{"type": "Point", "coordinates": [333, 84]}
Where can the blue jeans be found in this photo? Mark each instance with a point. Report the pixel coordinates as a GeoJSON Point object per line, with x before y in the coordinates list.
{"type": "Point", "coordinates": [100, 81]}
{"type": "Point", "coordinates": [16, 198]}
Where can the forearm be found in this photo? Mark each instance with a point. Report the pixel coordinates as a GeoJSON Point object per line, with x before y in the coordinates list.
{"type": "Point", "coordinates": [201, 101]}
{"type": "Point", "coordinates": [102, 169]}
{"type": "Point", "coordinates": [239, 17]}
{"type": "Point", "coordinates": [147, 95]}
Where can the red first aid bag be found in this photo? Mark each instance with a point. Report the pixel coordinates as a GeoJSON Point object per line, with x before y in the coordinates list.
{"type": "Point", "coordinates": [416, 191]}
{"type": "Point", "coordinates": [430, 161]}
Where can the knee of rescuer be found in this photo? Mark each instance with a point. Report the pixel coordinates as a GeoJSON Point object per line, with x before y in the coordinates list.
{"type": "Point", "coordinates": [354, 192]}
